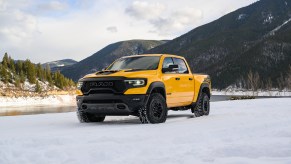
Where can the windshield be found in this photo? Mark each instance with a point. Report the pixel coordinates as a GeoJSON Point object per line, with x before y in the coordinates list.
{"type": "Point", "coordinates": [136, 63]}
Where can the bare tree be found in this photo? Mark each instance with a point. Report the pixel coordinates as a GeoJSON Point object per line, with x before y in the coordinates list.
{"type": "Point", "coordinates": [281, 82]}
{"type": "Point", "coordinates": [288, 79]}
{"type": "Point", "coordinates": [269, 86]}
{"type": "Point", "coordinates": [253, 81]}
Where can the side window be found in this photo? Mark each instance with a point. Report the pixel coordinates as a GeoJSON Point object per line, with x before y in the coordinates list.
{"type": "Point", "coordinates": [182, 65]}
{"type": "Point", "coordinates": [167, 61]}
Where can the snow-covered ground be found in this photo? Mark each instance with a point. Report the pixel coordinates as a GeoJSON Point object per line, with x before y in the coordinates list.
{"type": "Point", "coordinates": [250, 93]}
{"type": "Point", "coordinates": [246, 131]}
{"type": "Point", "coordinates": [60, 100]}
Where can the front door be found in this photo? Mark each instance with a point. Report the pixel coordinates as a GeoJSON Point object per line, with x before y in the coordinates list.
{"type": "Point", "coordinates": [186, 83]}
{"type": "Point", "coordinates": [171, 84]}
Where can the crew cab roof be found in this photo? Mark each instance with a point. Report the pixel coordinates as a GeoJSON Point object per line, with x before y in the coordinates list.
{"type": "Point", "coordinates": [168, 55]}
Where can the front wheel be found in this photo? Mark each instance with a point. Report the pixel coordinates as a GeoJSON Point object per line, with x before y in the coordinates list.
{"type": "Point", "coordinates": [155, 110]}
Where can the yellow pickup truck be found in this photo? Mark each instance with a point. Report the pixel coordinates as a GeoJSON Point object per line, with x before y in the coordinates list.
{"type": "Point", "coordinates": [146, 86]}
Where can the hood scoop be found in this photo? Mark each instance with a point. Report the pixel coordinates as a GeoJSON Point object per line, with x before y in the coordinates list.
{"type": "Point", "coordinates": [106, 72]}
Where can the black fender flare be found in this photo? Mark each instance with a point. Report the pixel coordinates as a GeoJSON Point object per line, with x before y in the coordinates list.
{"type": "Point", "coordinates": [155, 85]}
{"type": "Point", "coordinates": [204, 85]}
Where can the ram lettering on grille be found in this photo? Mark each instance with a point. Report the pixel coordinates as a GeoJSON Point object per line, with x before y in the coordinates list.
{"type": "Point", "coordinates": [101, 84]}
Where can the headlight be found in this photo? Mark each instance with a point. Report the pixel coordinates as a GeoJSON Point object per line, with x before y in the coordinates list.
{"type": "Point", "coordinates": [135, 82]}
{"type": "Point", "coordinates": [79, 85]}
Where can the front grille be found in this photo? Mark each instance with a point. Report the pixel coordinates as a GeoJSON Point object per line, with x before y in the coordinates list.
{"type": "Point", "coordinates": [100, 91]}
{"type": "Point", "coordinates": [102, 101]}
{"type": "Point", "coordinates": [103, 86]}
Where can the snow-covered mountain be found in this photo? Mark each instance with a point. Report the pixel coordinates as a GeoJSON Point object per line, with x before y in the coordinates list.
{"type": "Point", "coordinates": [256, 37]}
{"type": "Point", "coordinates": [58, 64]}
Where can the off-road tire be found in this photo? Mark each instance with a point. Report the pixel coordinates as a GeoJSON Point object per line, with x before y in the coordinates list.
{"type": "Point", "coordinates": [203, 106]}
{"type": "Point", "coordinates": [86, 117]}
{"type": "Point", "coordinates": [155, 111]}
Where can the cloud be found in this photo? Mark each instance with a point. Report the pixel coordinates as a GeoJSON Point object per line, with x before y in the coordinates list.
{"type": "Point", "coordinates": [16, 26]}
{"type": "Point", "coordinates": [53, 29]}
{"type": "Point", "coordinates": [112, 29]}
{"type": "Point", "coordinates": [2, 5]}
{"type": "Point", "coordinates": [145, 10]}
{"type": "Point", "coordinates": [177, 21]}
{"type": "Point", "coordinates": [53, 6]}
{"type": "Point", "coordinates": [164, 20]}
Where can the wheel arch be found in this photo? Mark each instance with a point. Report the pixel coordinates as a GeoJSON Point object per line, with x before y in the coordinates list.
{"type": "Point", "coordinates": [205, 89]}
{"type": "Point", "coordinates": [157, 87]}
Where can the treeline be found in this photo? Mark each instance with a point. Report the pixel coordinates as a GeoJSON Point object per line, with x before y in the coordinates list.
{"type": "Point", "coordinates": [17, 72]}
{"type": "Point", "coordinates": [254, 82]}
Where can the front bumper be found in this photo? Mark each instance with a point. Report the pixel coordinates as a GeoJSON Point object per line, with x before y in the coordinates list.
{"type": "Point", "coordinates": [111, 104]}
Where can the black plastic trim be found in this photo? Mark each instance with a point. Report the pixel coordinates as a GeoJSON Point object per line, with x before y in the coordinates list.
{"type": "Point", "coordinates": [204, 85]}
{"type": "Point", "coordinates": [153, 86]}
{"type": "Point", "coordinates": [107, 104]}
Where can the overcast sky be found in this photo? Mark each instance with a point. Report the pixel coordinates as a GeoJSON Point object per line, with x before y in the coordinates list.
{"type": "Point", "coordinates": [47, 30]}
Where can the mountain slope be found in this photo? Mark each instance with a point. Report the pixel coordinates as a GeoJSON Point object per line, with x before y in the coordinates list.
{"type": "Point", "coordinates": [248, 38]}
{"type": "Point", "coordinates": [107, 55]}
{"type": "Point", "coordinates": [58, 64]}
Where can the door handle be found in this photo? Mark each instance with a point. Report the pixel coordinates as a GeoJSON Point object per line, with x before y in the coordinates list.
{"type": "Point", "coordinates": [177, 78]}
{"type": "Point", "coordinates": [190, 78]}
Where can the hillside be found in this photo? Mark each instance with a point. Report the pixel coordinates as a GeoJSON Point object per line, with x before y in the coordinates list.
{"type": "Point", "coordinates": [107, 55]}
{"type": "Point", "coordinates": [59, 64]}
{"type": "Point", "coordinates": [24, 78]}
{"type": "Point", "coordinates": [256, 37]}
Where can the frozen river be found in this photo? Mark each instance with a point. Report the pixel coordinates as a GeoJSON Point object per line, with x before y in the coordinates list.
{"type": "Point", "coordinates": [28, 110]}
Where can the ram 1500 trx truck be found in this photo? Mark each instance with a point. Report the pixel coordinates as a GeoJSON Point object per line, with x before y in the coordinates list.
{"type": "Point", "coordinates": [146, 86]}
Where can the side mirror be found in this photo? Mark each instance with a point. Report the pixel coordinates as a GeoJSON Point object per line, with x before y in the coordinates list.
{"type": "Point", "coordinates": [171, 68]}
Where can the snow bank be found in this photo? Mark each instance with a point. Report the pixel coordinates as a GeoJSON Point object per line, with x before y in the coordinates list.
{"type": "Point", "coordinates": [250, 93]}
{"type": "Point", "coordinates": [61, 100]}
{"type": "Point", "coordinates": [247, 131]}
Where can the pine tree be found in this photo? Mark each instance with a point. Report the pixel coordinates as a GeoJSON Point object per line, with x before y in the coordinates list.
{"type": "Point", "coordinates": [22, 76]}
{"type": "Point", "coordinates": [31, 74]}
{"type": "Point", "coordinates": [48, 75]}
{"type": "Point", "coordinates": [4, 74]}
{"type": "Point", "coordinates": [17, 82]}
{"type": "Point", "coordinates": [11, 65]}
{"type": "Point", "coordinates": [37, 87]}
{"type": "Point", "coordinates": [39, 72]}
{"type": "Point", "coordinates": [19, 67]}
{"type": "Point", "coordinates": [5, 60]}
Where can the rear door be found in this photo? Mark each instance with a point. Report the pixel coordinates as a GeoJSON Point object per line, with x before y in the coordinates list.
{"type": "Point", "coordinates": [185, 80]}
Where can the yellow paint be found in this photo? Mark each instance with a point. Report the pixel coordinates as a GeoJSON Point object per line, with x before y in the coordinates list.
{"type": "Point", "coordinates": [79, 92]}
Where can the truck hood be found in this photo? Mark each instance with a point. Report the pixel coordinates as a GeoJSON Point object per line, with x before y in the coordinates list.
{"type": "Point", "coordinates": [125, 73]}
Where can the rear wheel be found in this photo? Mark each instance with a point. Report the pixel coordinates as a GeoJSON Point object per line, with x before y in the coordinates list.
{"type": "Point", "coordinates": [155, 110]}
{"type": "Point", "coordinates": [203, 106]}
{"type": "Point", "coordinates": [86, 117]}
